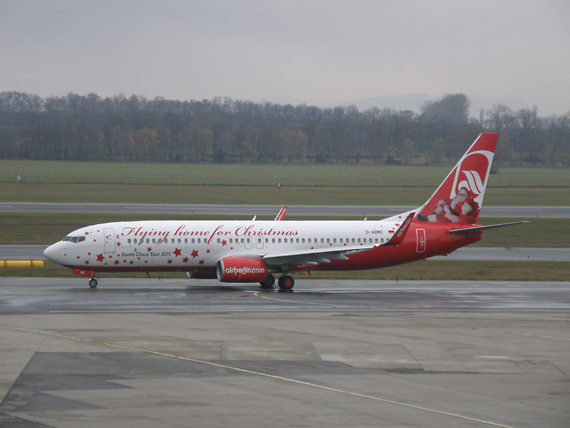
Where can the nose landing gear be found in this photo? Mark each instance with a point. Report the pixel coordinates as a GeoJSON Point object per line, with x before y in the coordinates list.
{"type": "Point", "coordinates": [93, 283]}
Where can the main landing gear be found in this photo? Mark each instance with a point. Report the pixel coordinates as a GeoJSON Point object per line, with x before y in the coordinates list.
{"type": "Point", "coordinates": [285, 282]}
{"type": "Point", "coordinates": [93, 283]}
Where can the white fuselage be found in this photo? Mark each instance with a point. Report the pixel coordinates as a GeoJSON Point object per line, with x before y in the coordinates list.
{"type": "Point", "coordinates": [189, 245]}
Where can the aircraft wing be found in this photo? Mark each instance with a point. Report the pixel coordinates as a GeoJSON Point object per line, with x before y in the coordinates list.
{"type": "Point", "coordinates": [313, 257]}
{"type": "Point", "coordinates": [325, 255]}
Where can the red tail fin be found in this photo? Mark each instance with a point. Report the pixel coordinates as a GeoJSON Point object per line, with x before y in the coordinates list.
{"type": "Point", "coordinates": [460, 197]}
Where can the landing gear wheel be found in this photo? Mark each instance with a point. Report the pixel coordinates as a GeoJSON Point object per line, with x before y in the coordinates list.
{"type": "Point", "coordinates": [268, 283]}
{"type": "Point", "coordinates": [93, 283]}
{"type": "Point", "coordinates": [286, 282]}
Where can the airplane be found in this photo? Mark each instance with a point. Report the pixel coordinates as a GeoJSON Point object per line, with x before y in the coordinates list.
{"type": "Point", "coordinates": [238, 251]}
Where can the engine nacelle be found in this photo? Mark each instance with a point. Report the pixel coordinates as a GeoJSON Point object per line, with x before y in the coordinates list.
{"type": "Point", "coordinates": [241, 269]}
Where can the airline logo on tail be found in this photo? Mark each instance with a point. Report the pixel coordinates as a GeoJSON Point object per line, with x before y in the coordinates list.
{"type": "Point", "coordinates": [470, 174]}
{"type": "Point", "coordinates": [460, 196]}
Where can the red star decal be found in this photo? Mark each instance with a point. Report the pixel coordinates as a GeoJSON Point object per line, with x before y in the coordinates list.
{"type": "Point", "coordinates": [169, 262]}
{"type": "Point", "coordinates": [86, 262]}
{"type": "Point", "coordinates": [100, 258]}
{"type": "Point", "coordinates": [194, 254]}
{"type": "Point", "coordinates": [177, 252]}
{"type": "Point", "coordinates": [118, 244]}
{"type": "Point", "coordinates": [86, 233]}
{"type": "Point", "coordinates": [185, 260]}
{"type": "Point", "coordinates": [149, 249]}
{"type": "Point", "coordinates": [201, 262]}
{"type": "Point", "coordinates": [208, 251]}
{"type": "Point", "coordinates": [77, 257]}
{"type": "Point", "coordinates": [131, 262]}
{"type": "Point", "coordinates": [116, 262]}
{"type": "Point", "coordinates": [224, 243]}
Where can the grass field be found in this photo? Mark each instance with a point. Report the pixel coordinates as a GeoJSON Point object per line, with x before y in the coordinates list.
{"type": "Point", "coordinates": [312, 175]}
{"type": "Point", "coordinates": [264, 195]}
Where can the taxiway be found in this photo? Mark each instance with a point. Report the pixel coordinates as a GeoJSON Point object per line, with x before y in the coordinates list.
{"type": "Point", "coordinates": [165, 353]}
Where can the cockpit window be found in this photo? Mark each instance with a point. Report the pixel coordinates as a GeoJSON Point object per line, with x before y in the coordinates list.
{"type": "Point", "coordinates": [74, 239]}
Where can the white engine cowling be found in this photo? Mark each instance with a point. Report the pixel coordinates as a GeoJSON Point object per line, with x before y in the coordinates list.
{"type": "Point", "coordinates": [241, 269]}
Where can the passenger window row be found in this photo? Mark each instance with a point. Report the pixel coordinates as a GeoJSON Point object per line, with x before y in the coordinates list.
{"type": "Point", "coordinates": [241, 240]}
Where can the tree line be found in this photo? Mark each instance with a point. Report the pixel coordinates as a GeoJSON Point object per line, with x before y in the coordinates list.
{"type": "Point", "coordinates": [134, 129]}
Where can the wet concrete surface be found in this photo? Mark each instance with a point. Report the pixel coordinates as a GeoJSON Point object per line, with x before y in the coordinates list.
{"type": "Point", "coordinates": [171, 353]}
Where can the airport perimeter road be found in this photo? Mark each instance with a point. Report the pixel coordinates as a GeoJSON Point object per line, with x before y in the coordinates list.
{"type": "Point", "coordinates": [267, 210]}
{"type": "Point", "coordinates": [150, 353]}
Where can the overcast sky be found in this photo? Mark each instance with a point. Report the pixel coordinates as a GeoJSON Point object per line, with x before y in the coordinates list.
{"type": "Point", "coordinates": [300, 51]}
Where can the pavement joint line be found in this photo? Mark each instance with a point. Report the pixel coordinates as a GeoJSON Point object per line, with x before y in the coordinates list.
{"type": "Point", "coordinates": [256, 294]}
{"type": "Point", "coordinates": [261, 374]}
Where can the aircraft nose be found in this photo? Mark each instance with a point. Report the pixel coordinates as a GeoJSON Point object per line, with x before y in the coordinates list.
{"type": "Point", "coordinates": [54, 253]}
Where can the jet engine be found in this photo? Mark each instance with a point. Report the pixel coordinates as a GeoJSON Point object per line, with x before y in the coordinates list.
{"type": "Point", "coordinates": [241, 269]}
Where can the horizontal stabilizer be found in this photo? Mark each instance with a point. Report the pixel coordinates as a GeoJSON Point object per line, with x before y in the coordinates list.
{"type": "Point", "coordinates": [469, 230]}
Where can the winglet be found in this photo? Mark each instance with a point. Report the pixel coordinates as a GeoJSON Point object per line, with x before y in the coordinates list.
{"type": "Point", "coordinates": [281, 215]}
{"type": "Point", "coordinates": [400, 234]}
